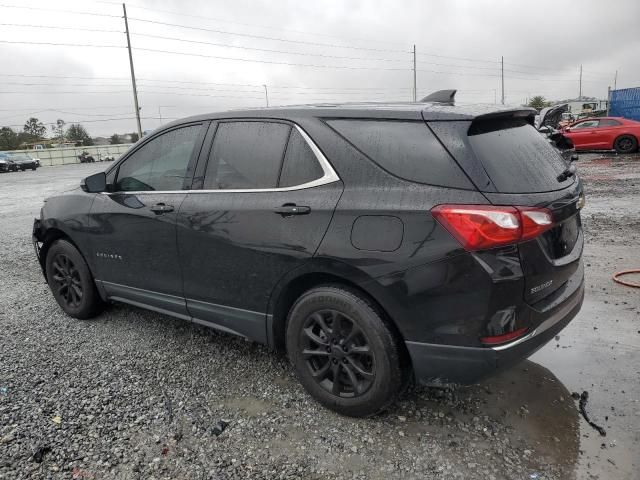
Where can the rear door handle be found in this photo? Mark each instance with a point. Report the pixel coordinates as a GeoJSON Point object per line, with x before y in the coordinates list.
{"type": "Point", "coordinates": [292, 209]}
{"type": "Point", "coordinates": [160, 208]}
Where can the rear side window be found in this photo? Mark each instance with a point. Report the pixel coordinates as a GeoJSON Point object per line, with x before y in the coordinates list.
{"type": "Point", "coordinates": [609, 123]}
{"type": "Point", "coordinates": [516, 157]}
{"type": "Point", "coordinates": [300, 164]}
{"type": "Point", "coordinates": [406, 149]}
{"type": "Point", "coordinates": [246, 155]}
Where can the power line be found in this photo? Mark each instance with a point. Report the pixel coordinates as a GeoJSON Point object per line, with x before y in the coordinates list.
{"type": "Point", "coordinates": [263, 37]}
{"type": "Point", "coordinates": [25, 25]}
{"type": "Point", "coordinates": [57, 10]}
{"type": "Point", "coordinates": [215, 19]}
{"type": "Point", "coordinates": [75, 92]}
{"type": "Point", "coordinates": [189, 82]}
{"type": "Point", "coordinates": [226, 45]}
{"type": "Point", "coordinates": [61, 44]}
{"type": "Point", "coordinates": [272, 62]}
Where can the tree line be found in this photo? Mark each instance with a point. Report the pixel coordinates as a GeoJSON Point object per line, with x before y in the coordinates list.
{"type": "Point", "coordinates": [34, 131]}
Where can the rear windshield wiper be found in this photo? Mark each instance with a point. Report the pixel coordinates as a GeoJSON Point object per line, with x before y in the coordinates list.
{"type": "Point", "coordinates": [570, 171]}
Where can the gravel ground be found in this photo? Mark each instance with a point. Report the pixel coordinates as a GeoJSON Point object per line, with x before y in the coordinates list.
{"type": "Point", "coordinates": [137, 395]}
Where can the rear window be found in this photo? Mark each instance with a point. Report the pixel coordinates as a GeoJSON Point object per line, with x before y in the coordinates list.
{"type": "Point", "coordinates": [516, 157]}
{"type": "Point", "coordinates": [405, 149]}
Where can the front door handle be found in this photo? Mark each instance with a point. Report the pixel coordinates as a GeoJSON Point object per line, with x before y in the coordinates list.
{"type": "Point", "coordinates": [291, 209]}
{"type": "Point", "coordinates": [160, 208]}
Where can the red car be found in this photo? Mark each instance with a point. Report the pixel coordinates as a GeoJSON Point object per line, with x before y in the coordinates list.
{"type": "Point", "coordinates": [605, 133]}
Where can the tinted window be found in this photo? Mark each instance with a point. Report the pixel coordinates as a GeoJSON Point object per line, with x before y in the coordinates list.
{"type": "Point", "coordinates": [609, 123]}
{"type": "Point", "coordinates": [587, 124]}
{"type": "Point", "coordinates": [516, 157]}
{"type": "Point", "coordinates": [160, 164]}
{"type": "Point", "coordinates": [246, 155]}
{"type": "Point", "coordinates": [406, 149]}
{"type": "Point", "coordinates": [300, 164]}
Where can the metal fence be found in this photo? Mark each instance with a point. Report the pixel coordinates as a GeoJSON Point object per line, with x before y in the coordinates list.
{"type": "Point", "coordinates": [625, 103]}
{"type": "Point", "coordinates": [63, 156]}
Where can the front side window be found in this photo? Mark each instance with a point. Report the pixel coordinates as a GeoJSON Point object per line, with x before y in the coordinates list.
{"type": "Point", "coordinates": [246, 155]}
{"type": "Point", "coordinates": [160, 164]}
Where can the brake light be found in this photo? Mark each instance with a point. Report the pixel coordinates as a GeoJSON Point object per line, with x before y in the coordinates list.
{"type": "Point", "coordinates": [479, 227]}
{"type": "Point", "coordinates": [507, 337]}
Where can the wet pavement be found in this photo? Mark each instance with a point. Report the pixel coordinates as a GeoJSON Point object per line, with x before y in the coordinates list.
{"type": "Point", "coordinates": [523, 423]}
{"type": "Point", "coordinates": [599, 351]}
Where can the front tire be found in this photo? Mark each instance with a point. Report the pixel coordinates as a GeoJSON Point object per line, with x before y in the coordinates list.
{"type": "Point", "coordinates": [342, 352]}
{"type": "Point", "coordinates": [626, 144]}
{"type": "Point", "coordinates": [71, 281]}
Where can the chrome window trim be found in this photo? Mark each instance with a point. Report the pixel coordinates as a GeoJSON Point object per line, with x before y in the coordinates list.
{"type": "Point", "coordinates": [329, 176]}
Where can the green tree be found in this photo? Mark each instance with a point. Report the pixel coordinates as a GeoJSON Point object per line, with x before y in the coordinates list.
{"type": "Point", "coordinates": [9, 140]}
{"type": "Point", "coordinates": [538, 102]}
{"type": "Point", "coordinates": [134, 137]}
{"type": "Point", "coordinates": [58, 129]}
{"type": "Point", "coordinates": [115, 139]}
{"type": "Point", "coordinates": [79, 135]}
{"type": "Point", "coordinates": [34, 129]}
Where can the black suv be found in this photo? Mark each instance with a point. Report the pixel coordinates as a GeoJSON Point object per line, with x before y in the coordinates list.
{"type": "Point", "coordinates": [372, 242]}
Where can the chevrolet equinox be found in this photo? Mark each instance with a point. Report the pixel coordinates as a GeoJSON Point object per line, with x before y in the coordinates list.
{"type": "Point", "coordinates": [374, 243]}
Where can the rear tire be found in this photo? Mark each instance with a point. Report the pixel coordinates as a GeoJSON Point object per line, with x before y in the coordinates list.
{"type": "Point", "coordinates": [71, 281]}
{"type": "Point", "coordinates": [626, 144]}
{"type": "Point", "coordinates": [342, 352]}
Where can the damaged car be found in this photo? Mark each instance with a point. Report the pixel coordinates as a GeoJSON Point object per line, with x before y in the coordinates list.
{"type": "Point", "coordinates": [373, 243]}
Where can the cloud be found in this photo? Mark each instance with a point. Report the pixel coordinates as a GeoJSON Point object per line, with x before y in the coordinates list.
{"type": "Point", "coordinates": [459, 45]}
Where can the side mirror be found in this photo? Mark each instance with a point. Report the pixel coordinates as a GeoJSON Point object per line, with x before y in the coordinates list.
{"type": "Point", "coordinates": [94, 183]}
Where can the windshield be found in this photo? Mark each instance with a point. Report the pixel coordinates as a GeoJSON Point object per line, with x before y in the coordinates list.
{"type": "Point", "coordinates": [19, 156]}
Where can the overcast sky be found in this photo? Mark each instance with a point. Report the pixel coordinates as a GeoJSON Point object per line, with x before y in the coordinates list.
{"type": "Point", "coordinates": [298, 49]}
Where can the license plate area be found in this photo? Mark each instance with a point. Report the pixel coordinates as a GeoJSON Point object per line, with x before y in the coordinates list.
{"type": "Point", "coordinates": [559, 241]}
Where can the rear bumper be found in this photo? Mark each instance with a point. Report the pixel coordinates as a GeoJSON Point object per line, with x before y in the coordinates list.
{"type": "Point", "coordinates": [435, 364]}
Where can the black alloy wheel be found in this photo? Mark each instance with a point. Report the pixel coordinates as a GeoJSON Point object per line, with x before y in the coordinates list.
{"type": "Point", "coordinates": [71, 281]}
{"type": "Point", "coordinates": [343, 351]}
{"type": "Point", "coordinates": [66, 280]}
{"type": "Point", "coordinates": [337, 353]}
{"type": "Point", "coordinates": [626, 144]}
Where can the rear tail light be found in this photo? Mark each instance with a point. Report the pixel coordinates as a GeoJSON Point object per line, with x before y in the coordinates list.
{"type": "Point", "coordinates": [507, 337]}
{"type": "Point", "coordinates": [479, 227]}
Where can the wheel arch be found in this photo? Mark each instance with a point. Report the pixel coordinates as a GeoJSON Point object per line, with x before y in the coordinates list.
{"type": "Point", "coordinates": [50, 236]}
{"type": "Point", "coordinates": [625, 134]}
{"type": "Point", "coordinates": [322, 273]}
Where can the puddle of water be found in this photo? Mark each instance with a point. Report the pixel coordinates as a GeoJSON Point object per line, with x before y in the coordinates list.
{"type": "Point", "coordinates": [604, 362]}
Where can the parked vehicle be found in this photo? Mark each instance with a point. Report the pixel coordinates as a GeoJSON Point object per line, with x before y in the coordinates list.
{"type": "Point", "coordinates": [561, 143]}
{"type": "Point", "coordinates": [371, 242]}
{"type": "Point", "coordinates": [23, 161]}
{"type": "Point", "coordinates": [84, 157]}
{"type": "Point", "coordinates": [605, 133]}
{"type": "Point", "coordinates": [6, 165]}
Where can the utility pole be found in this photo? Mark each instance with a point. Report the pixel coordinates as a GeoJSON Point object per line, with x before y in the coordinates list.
{"type": "Point", "coordinates": [415, 77]}
{"type": "Point", "coordinates": [266, 94]}
{"type": "Point", "coordinates": [615, 81]}
{"type": "Point", "coordinates": [160, 114]}
{"type": "Point", "coordinates": [502, 77]}
{"type": "Point", "coordinates": [580, 96]}
{"type": "Point", "coordinates": [133, 75]}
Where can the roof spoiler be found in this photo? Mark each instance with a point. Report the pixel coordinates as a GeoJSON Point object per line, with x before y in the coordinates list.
{"type": "Point", "coordinates": [441, 96]}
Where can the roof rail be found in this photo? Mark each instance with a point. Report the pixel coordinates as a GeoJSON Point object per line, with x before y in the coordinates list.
{"type": "Point", "coordinates": [441, 96]}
